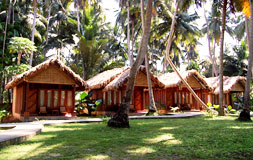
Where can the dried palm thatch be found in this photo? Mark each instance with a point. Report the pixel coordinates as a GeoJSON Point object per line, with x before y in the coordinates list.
{"type": "Point", "coordinates": [122, 79]}
{"type": "Point", "coordinates": [43, 66]}
{"type": "Point", "coordinates": [104, 78]}
{"type": "Point", "coordinates": [229, 83]}
{"type": "Point", "coordinates": [172, 79]}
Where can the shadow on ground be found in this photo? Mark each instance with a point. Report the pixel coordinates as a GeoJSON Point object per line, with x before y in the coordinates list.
{"type": "Point", "coordinates": [194, 138]}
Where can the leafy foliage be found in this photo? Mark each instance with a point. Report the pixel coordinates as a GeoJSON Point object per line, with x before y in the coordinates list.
{"type": "Point", "coordinates": [85, 101]}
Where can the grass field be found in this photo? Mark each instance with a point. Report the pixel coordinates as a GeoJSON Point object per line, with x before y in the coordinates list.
{"type": "Point", "coordinates": [193, 138]}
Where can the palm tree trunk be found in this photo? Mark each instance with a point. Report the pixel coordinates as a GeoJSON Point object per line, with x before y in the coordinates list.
{"type": "Point", "coordinates": [120, 119]}
{"type": "Point", "coordinates": [173, 66]}
{"type": "Point", "coordinates": [245, 114]}
{"type": "Point", "coordinates": [48, 20]}
{"type": "Point", "coordinates": [128, 34]}
{"type": "Point", "coordinates": [78, 19]}
{"type": "Point", "coordinates": [3, 50]}
{"type": "Point", "coordinates": [6, 25]}
{"type": "Point", "coordinates": [224, 9]}
{"type": "Point", "coordinates": [83, 68]}
{"type": "Point", "coordinates": [214, 68]}
{"type": "Point", "coordinates": [132, 40]}
{"type": "Point", "coordinates": [152, 108]}
{"type": "Point", "coordinates": [33, 29]}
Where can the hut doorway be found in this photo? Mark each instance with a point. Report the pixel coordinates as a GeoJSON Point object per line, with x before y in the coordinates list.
{"type": "Point", "coordinates": [138, 99]}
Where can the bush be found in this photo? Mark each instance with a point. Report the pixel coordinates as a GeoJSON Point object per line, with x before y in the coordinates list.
{"type": "Point", "coordinates": [85, 101]}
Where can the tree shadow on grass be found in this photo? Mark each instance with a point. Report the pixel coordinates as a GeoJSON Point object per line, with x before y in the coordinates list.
{"type": "Point", "coordinates": [194, 138]}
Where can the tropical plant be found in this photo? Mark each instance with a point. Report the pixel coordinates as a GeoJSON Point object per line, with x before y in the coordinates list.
{"type": "Point", "coordinates": [92, 42]}
{"type": "Point", "coordinates": [236, 64]}
{"type": "Point", "coordinates": [21, 45]}
{"type": "Point", "coordinates": [85, 101]}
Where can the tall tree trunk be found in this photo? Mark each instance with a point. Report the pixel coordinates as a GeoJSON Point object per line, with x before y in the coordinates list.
{"type": "Point", "coordinates": [83, 68]}
{"type": "Point", "coordinates": [6, 25]}
{"type": "Point", "coordinates": [120, 119]}
{"type": "Point", "coordinates": [33, 29]}
{"type": "Point", "coordinates": [48, 20]}
{"type": "Point", "coordinates": [223, 24]}
{"type": "Point", "coordinates": [152, 108]}
{"type": "Point", "coordinates": [128, 34]}
{"type": "Point", "coordinates": [132, 40]}
{"type": "Point", "coordinates": [214, 68]}
{"type": "Point", "coordinates": [3, 50]}
{"type": "Point", "coordinates": [245, 114]}
{"type": "Point", "coordinates": [78, 18]}
{"type": "Point", "coordinates": [171, 63]}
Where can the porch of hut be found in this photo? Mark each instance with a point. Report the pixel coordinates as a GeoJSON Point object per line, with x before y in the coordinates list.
{"type": "Point", "coordinates": [175, 93]}
{"type": "Point", "coordinates": [110, 86]}
{"type": "Point", "coordinates": [231, 86]}
{"type": "Point", "coordinates": [47, 89]}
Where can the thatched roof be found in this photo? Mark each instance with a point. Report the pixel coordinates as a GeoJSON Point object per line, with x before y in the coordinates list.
{"type": "Point", "coordinates": [122, 78]}
{"type": "Point", "coordinates": [172, 79]}
{"type": "Point", "coordinates": [104, 78]}
{"type": "Point", "coordinates": [116, 78]}
{"type": "Point", "coordinates": [43, 66]}
{"type": "Point", "coordinates": [228, 83]}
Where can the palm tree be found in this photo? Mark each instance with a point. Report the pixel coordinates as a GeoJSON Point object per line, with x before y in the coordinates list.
{"type": "Point", "coordinates": [120, 119]}
{"type": "Point", "coordinates": [152, 106]}
{"type": "Point", "coordinates": [171, 63]}
{"type": "Point", "coordinates": [212, 57]}
{"type": "Point", "coordinates": [223, 24]}
{"type": "Point", "coordinates": [21, 45]}
{"type": "Point", "coordinates": [247, 7]}
{"type": "Point", "coordinates": [33, 28]}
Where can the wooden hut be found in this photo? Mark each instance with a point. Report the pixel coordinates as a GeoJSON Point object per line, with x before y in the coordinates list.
{"type": "Point", "coordinates": [46, 89]}
{"type": "Point", "coordinates": [175, 92]}
{"type": "Point", "coordinates": [111, 85]}
{"type": "Point", "coordinates": [231, 85]}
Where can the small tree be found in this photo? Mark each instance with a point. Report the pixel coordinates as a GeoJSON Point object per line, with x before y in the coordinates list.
{"type": "Point", "coordinates": [21, 45]}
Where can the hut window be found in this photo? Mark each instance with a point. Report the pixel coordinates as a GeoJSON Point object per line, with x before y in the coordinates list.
{"type": "Point", "coordinates": [175, 94]}
{"type": "Point", "coordinates": [119, 97]}
{"type": "Point", "coordinates": [69, 104]}
{"type": "Point", "coordinates": [115, 97]}
{"type": "Point", "coordinates": [49, 98]}
{"type": "Point", "coordinates": [209, 98]}
{"type": "Point", "coordinates": [109, 98]}
{"type": "Point", "coordinates": [183, 98]}
{"type": "Point", "coordinates": [42, 98]}
{"type": "Point", "coordinates": [62, 98]}
{"type": "Point", "coordinates": [55, 98]}
{"type": "Point", "coordinates": [103, 97]}
{"type": "Point", "coordinates": [187, 98]}
{"type": "Point", "coordinates": [179, 98]}
{"type": "Point", "coordinates": [190, 98]}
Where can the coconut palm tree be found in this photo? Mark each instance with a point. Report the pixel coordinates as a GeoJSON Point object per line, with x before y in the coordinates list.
{"type": "Point", "coordinates": [246, 6]}
{"type": "Point", "coordinates": [33, 28]}
{"type": "Point", "coordinates": [120, 119]}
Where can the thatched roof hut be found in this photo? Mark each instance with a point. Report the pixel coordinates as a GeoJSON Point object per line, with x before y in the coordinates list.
{"type": "Point", "coordinates": [235, 84]}
{"type": "Point", "coordinates": [43, 66]}
{"type": "Point", "coordinates": [194, 79]}
{"type": "Point", "coordinates": [46, 89]}
{"type": "Point", "coordinates": [104, 78]}
{"type": "Point", "coordinates": [116, 78]}
{"type": "Point", "coordinates": [121, 79]}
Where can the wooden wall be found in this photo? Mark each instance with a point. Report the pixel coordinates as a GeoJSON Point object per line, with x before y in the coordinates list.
{"type": "Point", "coordinates": [31, 99]}
{"type": "Point", "coordinates": [18, 100]}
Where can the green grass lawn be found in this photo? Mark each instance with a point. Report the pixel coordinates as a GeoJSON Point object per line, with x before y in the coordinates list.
{"type": "Point", "coordinates": [193, 138]}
